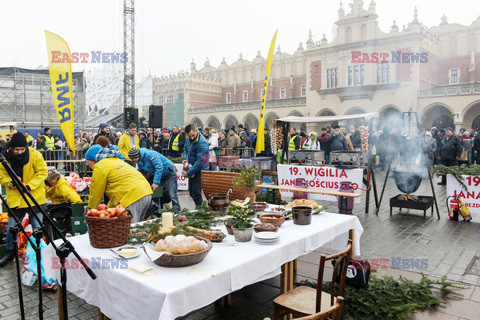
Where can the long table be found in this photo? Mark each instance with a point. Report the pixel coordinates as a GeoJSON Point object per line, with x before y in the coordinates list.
{"type": "Point", "coordinates": [172, 292]}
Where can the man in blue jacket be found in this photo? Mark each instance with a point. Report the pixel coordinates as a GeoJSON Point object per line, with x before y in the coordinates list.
{"type": "Point", "coordinates": [160, 168]}
{"type": "Point", "coordinates": [196, 158]}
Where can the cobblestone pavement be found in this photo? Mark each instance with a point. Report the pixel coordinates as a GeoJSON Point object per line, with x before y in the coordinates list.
{"type": "Point", "coordinates": [449, 247]}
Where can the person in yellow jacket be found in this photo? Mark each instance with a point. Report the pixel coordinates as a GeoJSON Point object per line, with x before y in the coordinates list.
{"type": "Point", "coordinates": [59, 191]}
{"type": "Point", "coordinates": [128, 141]}
{"type": "Point", "coordinates": [29, 166]}
{"type": "Point", "coordinates": [121, 182]}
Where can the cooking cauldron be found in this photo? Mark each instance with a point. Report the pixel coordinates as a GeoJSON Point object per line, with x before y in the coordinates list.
{"type": "Point", "coordinates": [407, 180]}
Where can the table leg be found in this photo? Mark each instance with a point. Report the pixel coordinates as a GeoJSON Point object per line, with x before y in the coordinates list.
{"type": "Point", "coordinates": [60, 302]}
{"type": "Point", "coordinates": [286, 278]}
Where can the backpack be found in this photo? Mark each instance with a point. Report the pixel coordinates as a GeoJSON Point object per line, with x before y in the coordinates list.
{"type": "Point", "coordinates": [358, 272]}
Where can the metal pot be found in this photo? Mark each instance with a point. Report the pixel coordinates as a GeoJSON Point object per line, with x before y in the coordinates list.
{"type": "Point", "coordinates": [219, 202]}
{"type": "Point", "coordinates": [407, 181]}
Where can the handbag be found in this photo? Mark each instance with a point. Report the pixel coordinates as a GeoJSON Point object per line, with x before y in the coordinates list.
{"type": "Point", "coordinates": [358, 272]}
{"type": "Point", "coordinates": [464, 156]}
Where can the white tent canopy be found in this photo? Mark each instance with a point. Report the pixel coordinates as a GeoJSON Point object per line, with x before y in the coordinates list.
{"type": "Point", "coordinates": [292, 119]}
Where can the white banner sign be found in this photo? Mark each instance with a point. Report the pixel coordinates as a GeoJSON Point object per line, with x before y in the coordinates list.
{"type": "Point", "coordinates": [325, 178]}
{"type": "Point", "coordinates": [182, 182]}
{"type": "Point", "coordinates": [471, 196]}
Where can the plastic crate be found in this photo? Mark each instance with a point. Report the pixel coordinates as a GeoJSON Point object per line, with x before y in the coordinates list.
{"type": "Point", "coordinates": [79, 226]}
{"type": "Point", "coordinates": [78, 209]}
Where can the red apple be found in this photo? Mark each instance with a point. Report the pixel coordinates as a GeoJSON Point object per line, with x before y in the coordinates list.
{"type": "Point", "coordinates": [102, 206]}
{"type": "Point", "coordinates": [92, 213]}
{"type": "Point", "coordinates": [182, 218]}
{"type": "Point", "coordinates": [103, 214]}
{"type": "Point", "coordinates": [119, 209]}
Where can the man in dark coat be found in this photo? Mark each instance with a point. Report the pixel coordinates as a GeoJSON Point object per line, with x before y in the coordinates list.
{"type": "Point", "coordinates": [476, 148]}
{"type": "Point", "coordinates": [450, 151]}
{"type": "Point", "coordinates": [356, 139]}
{"type": "Point", "coordinates": [337, 140]}
{"type": "Point", "coordinates": [104, 131]}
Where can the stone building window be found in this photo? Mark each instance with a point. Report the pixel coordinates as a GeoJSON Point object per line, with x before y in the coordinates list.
{"type": "Point", "coordinates": [383, 72]}
{"type": "Point", "coordinates": [303, 90]}
{"type": "Point", "coordinates": [229, 98]}
{"type": "Point", "coordinates": [283, 93]}
{"type": "Point", "coordinates": [356, 75]}
{"type": "Point", "coordinates": [454, 75]}
{"type": "Point", "coordinates": [332, 78]}
{"type": "Point", "coordinates": [245, 96]}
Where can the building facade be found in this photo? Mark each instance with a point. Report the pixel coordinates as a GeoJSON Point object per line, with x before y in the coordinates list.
{"type": "Point", "coordinates": [433, 71]}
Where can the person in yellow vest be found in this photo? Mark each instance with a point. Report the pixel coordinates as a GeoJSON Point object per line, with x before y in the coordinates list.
{"type": "Point", "coordinates": [121, 182]}
{"type": "Point", "coordinates": [59, 191]}
{"type": "Point", "coordinates": [294, 141]}
{"type": "Point", "coordinates": [174, 150]}
{"type": "Point", "coordinates": [128, 141]}
{"type": "Point", "coordinates": [49, 144]}
{"type": "Point", "coordinates": [30, 140]}
{"type": "Point", "coordinates": [29, 166]}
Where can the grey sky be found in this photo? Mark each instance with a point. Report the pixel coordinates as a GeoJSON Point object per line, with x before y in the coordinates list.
{"type": "Point", "coordinates": [170, 33]}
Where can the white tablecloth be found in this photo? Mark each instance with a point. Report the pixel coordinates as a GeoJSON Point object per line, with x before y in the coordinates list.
{"type": "Point", "coordinates": [171, 292]}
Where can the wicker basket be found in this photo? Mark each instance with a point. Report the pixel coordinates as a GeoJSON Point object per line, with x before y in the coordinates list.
{"type": "Point", "coordinates": [109, 232]}
{"type": "Point", "coordinates": [221, 182]}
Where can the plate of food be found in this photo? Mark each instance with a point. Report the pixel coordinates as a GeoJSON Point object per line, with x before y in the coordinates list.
{"type": "Point", "coordinates": [178, 251]}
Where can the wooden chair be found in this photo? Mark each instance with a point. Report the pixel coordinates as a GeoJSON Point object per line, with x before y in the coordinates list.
{"type": "Point", "coordinates": [333, 313]}
{"type": "Point", "coordinates": [306, 301]}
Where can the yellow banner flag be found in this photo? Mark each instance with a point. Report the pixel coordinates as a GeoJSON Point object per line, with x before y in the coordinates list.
{"type": "Point", "coordinates": [61, 81]}
{"type": "Point", "coordinates": [260, 146]}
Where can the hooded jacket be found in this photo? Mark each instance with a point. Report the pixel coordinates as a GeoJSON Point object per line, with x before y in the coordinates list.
{"type": "Point", "coordinates": [121, 182]}
{"type": "Point", "coordinates": [62, 192]}
{"type": "Point", "coordinates": [34, 174]}
{"type": "Point", "coordinates": [197, 154]}
{"type": "Point", "coordinates": [157, 165]}
{"type": "Point", "coordinates": [124, 144]}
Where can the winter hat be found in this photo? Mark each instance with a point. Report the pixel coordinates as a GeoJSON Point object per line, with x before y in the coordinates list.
{"type": "Point", "coordinates": [134, 153]}
{"type": "Point", "coordinates": [240, 126]}
{"type": "Point", "coordinates": [46, 129]}
{"type": "Point", "coordinates": [233, 128]}
{"type": "Point", "coordinates": [103, 126]}
{"type": "Point", "coordinates": [336, 127]}
{"type": "Point", "coordinates": [92, 152]}
{"type": "Point", "coordinates": [243, 134]}
{"type": "Point", "coordinates": [449, 128]}
{"type": "Point", "coordinates": [18, 140]}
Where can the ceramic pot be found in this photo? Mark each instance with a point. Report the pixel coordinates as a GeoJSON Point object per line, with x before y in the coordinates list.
{"type": "Point", "coordinates": [243, 235]}
{"type": "Point", "coordinates": [302, 215]}
{"type": "Point", "coordinates": [251, 193]}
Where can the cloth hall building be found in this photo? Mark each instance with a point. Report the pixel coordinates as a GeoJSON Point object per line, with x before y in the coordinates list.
{"type": "Point", "coordinates": [434, 71]}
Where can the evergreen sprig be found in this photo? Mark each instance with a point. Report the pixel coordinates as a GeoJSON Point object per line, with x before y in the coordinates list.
{"type": "Point", "coordinates": [390, 299]}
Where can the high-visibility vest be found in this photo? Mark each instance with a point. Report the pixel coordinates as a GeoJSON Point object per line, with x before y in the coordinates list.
{"type": "Point", "coordinates": [175, 142]}
{"type": "Point", "coordinates": [29, 141]}
{"type": "Point", "coordinates": [49, 142]}
{"type": "Point", "coordinates": [291, 145]}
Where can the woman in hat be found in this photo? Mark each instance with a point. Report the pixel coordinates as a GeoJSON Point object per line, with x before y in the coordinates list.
{"type": "Point", "coordinates": [121, 182]}
{"type": "Point", "coordinates": [29, 166]}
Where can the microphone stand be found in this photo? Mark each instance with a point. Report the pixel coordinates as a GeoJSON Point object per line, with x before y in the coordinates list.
{"type": "Point", "coordinates": [62, 251]}
{"type": "Point", "coordinates": [15, 230]}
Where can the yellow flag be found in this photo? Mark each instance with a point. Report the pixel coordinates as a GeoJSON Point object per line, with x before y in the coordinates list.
{"type": "Point", "coordinates": [260, 146]}
{"type": "Point", "coordinates": [61, 80]}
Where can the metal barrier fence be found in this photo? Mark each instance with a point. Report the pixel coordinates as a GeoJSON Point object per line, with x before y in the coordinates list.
{"type": "Point", "coordinates": [64, 161]}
